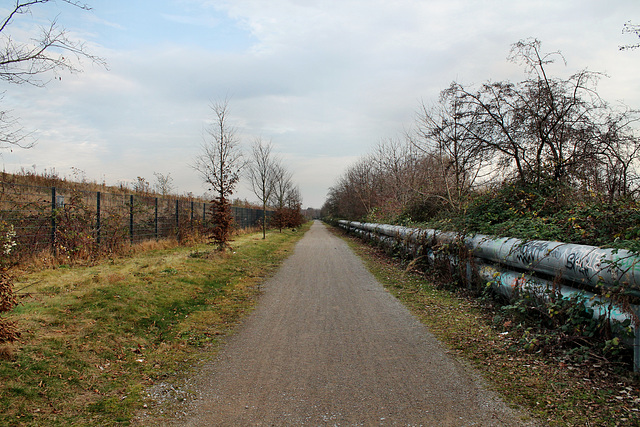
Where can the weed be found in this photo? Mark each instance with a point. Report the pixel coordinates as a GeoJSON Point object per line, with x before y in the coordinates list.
{"type": "Point", "coordinates": [557, 388]}
{"type": "Point", "coordinates": [8, 330]}
{"type": "Point", "coordinates": [95, 337]}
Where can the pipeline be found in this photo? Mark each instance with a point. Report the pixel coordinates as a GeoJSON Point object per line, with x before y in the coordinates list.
{"type": "Point", "coordinates": [509, 263]}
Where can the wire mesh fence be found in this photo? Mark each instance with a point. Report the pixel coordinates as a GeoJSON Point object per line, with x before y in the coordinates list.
{"type": "Point", "coordinates": [70, 220]}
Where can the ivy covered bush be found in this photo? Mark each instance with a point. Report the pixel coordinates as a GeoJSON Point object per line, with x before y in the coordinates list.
{"type": "Point", "coordinates": [552, 212]}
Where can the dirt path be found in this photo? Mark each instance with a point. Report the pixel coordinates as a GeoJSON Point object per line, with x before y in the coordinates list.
{"type": "Point", "coordinates": [328, 345]}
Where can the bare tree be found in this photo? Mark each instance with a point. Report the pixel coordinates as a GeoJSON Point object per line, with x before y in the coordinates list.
{"type": "Point", "coordinates": [164, 183]}
{"type": "Point", "coordinates": [630, 28]}
{"type": "Point", "coordinates": [286, 199]}
{"type": "Point", "coordinates": [220, 160]}
{"type": "Point", "coordinates": [283, 182]}
{"type": "Point", "coordinates": [542, 131]}
{"type": "Point", "coordinates": [614, 170]}
{"type": "Point", "coordinates": [542, 128]}
{"type": "Point", "coordinates": [12, 133]}
{"type": "Point", "coordinates": [389, 161]}
{"type": "Point", "coordinates": [141, 185]}
{"type": "Point", "coordinates": [32, 61]}
{"type": "Point", "coordinates": [27, 62]}
{"type": "Point", "coordinates": [53, 49]}
{"type": "Point", "coordinates": [459, 157]}
{"type": "Point", "coordinates": [364, 184]}
{"type": "Point", "coordinates": [356, 193]}
{"type": "Point", "coordinates": [294, 198]}
{"type": "Point", "coordinates": [219, 165]}
{"type": "Point", "coordinates": [263, 171]}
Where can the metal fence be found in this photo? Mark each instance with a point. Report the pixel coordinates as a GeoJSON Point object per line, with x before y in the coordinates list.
{"type": "Point", "coordinates": [43, 218]}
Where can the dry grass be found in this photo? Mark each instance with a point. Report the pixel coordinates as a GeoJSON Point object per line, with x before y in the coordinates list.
{"type": "Point", "coordinates": [94, 337]}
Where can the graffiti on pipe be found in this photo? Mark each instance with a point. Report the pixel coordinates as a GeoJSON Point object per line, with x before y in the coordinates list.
{"type": "Point", "coordinates": [585, 265]}
{"type": "Point", "coordinates": [530, 252]}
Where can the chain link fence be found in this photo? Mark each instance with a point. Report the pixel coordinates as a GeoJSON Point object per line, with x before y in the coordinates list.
{"type": "Point", "coordinates": [70, 220]}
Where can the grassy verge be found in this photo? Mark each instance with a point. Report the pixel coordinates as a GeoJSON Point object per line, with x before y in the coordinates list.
{"type": "Point", "coordinates": [93, 338]}
{"type": "Point", "coordinates": [554, 391]}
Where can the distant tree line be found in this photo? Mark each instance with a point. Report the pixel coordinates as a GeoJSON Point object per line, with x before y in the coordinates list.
{"type": "Point", "coordinates": [542, 132]}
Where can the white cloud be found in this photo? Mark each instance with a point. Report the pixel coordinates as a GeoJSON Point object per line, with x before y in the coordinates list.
{"type": "Point", "coordinates": [324, 80]}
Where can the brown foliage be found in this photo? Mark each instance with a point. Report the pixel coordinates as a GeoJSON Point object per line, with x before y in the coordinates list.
{"type": "Point", "coordinates": [74, 237]}
{"type": "Point", "coordinates": [287, 218]}
{"type": "Point", "coordinates": [8, 330]}
{"type": "Point", "coordinates": [222, 223]}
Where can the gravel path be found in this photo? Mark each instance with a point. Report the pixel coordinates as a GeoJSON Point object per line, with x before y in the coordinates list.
{"type": "Point", "coordinates": [328, 345]}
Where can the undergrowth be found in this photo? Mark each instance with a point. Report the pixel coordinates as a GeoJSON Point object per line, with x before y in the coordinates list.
{"type": "Point", "coordinates": [93, 338]}
{"type": "Point", "coordinates": [561, 383]}
{"type": "Point", "coordinates": [550, 212]}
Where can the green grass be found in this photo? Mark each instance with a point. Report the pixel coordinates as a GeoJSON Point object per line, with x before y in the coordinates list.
{"type": "Point", "coordinates": [93, 338]}
{"type": "Point", "coordinates": [555, 391]}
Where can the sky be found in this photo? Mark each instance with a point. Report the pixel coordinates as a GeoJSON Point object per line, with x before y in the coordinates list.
{"type": "Point", "coordinates": [325, 81]}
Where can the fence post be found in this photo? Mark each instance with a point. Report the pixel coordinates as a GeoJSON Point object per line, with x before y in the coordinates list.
{"type": "Point", "coordinates": [156, 219]}
{"type": "Point", "coordinates": [177, 218]}
{"type": "Point", "coordinates": [131, 218]}
{"type": "Point", "coordinates": [98, 218]}
{"type": "Point", "coordinates": [58, 217]}
{"type": "Point", "coordinates": [53, 220]}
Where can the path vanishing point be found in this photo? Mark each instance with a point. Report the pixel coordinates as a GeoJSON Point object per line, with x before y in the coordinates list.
{"type": "Point", "coordinates": [327, 345]}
